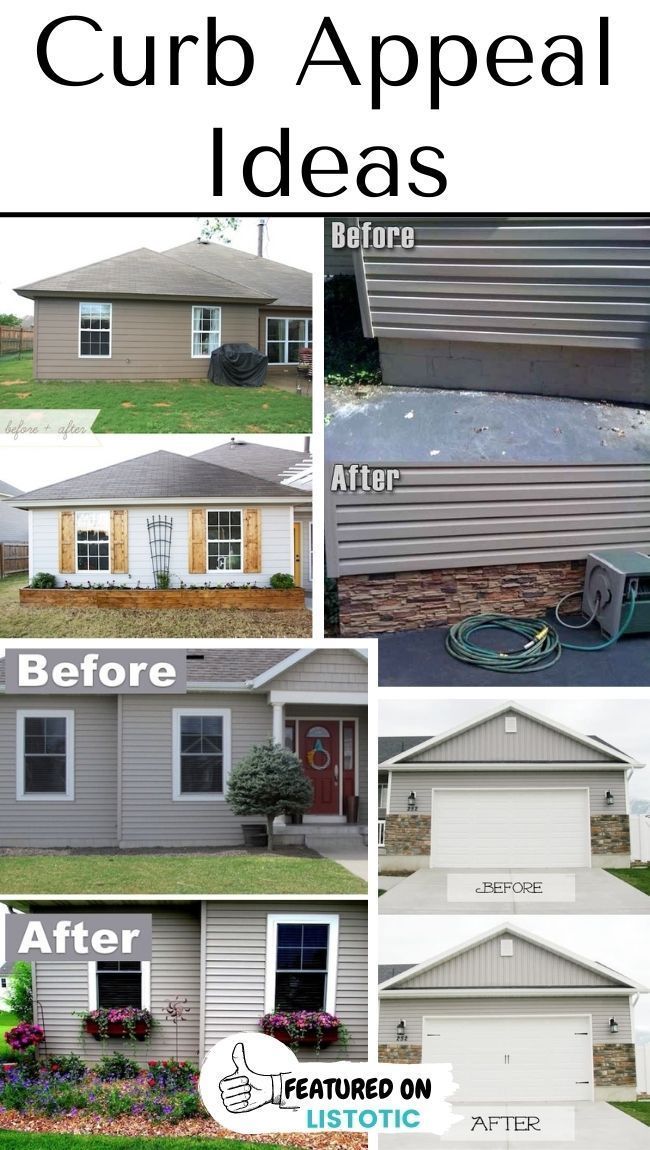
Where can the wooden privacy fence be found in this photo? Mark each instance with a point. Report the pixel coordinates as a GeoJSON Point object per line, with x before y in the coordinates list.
{"type": "Point", "coordinates": [15, 340]}
{"type": "Point", "coordinates": [14, 557]}
{"type": "Point", "coordinates": [640, 838]}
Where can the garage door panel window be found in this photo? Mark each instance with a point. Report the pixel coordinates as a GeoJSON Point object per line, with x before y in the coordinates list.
{"type": "Point", "coordinates": [206, 331]}
{"type": "Point", "coordinates": [285, 337]}
{"type": "Point", "coordinates": [95, 329]}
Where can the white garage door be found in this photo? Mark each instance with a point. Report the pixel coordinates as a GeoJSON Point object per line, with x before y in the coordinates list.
{"type": "Point", "coordinates": [515, 1059]}
{"type": "Point", "coordinates": [510, 828]}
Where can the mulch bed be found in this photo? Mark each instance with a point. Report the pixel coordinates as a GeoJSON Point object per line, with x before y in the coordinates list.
{"type": "Point", "coordinates": [135, 1126]}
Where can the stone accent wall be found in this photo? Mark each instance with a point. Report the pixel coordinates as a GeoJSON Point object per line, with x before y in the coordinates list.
{"type": "Point", "coordinates": [610, 834]}
{"type": "Point", "coordinates": [410, 600]}
{"type": "Point", "coordinates": [399, 1052]}
{"type": "Point", "coordinates": [408, 835]}
{"type": "Point", "coordinates": [614, 1064]}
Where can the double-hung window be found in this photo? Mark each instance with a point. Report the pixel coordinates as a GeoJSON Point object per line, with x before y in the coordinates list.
{"type": "Point", "coordinates": [302, 955]}
{"type": "Point", "coordinates": [206, 330]}
{"type": "Point", "coordinates": [45, 754]}
{"type": "Point", "coordinates": [285, 337]}
{"type": "Point", "coordinates": [201, 753]}
{"type": "Point", "coordinates": [224, 541]}
{"type": "Point", "coordinates": [116, 983]}
{"type": "Point", "coordinates": [95, 327]}
{"type": "Point", "coordinates": [93, 540]}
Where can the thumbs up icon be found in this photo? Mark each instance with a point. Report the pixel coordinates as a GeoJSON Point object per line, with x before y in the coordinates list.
{"type": "Point", "coordinates": [245, 1089]}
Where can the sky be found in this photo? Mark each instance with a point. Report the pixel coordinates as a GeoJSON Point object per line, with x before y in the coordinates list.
{"type": "Point", "coordinates": [27, 467]}
{"type": "Point", "coordinates": [622, 722]}
{"type": "Point", "coordinates": [621, 942]}
{"type": "Point", "coordinates": [33, 249]}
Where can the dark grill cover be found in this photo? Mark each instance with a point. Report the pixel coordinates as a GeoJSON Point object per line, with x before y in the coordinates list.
{"type": "Point", "coordinates": [238, 364]}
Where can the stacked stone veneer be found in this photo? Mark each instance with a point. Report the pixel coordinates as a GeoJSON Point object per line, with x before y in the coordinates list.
{"type": "Point", "coordinates": [409, 600]}
{"type": "Point", "coordinates": [399, 1052]}
{"type": "Point", "coordinates": [610, 834]}
{"type": "Point", "coordinates": [614, 1064]}
{"type": "Point", "coordinates": [408, 834]}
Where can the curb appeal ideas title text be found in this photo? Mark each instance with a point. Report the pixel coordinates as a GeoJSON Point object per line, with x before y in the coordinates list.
{"type": "Point", "coordinates": [395, 62]}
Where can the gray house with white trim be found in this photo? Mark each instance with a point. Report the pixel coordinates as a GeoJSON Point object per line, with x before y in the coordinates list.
{"type": "Point", "coordinates": [226, 961]}
{"type": "Point", "coordinates": [144, 771]}
{"type": "Point", "coordinates": [507, 789]}
{"type": "Point", "coordinates": [519, 1018]}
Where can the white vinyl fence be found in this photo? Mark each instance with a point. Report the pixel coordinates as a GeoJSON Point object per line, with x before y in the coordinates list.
{"type": "Point", "coordinates": [643, 1069]}
{"type": "Point", "coordinates": [640, 838]}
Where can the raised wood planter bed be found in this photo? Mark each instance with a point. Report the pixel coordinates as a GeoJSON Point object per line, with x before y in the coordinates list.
{"type": "Point", "coordinates": [264, 599]}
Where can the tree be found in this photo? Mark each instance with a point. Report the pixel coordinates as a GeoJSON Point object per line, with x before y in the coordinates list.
{"type": "Point", "coordinates": [8, 319]}
{"type": "Point", "coordinates": [19, 991]}
{"type": "Point", "coordinates": [219, 226]}
{"type": "Point", "coordinates": [269, 782]}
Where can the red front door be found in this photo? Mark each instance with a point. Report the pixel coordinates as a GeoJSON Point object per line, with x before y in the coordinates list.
{"type": "Point", "coordinates": [319, 753]}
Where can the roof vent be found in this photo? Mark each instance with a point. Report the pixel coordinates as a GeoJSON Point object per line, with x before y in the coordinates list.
{"type": "Point", "coordinates": [511, 724]}
{"type": "Point", "coordinates": [507, 948]}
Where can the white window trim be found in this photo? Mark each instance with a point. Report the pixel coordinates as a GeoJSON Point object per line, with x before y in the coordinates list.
{"type": "Point", "coordinates": [311, 551]}
{"type": "Point", "coordinates": [272, 923]}
{"type": "Point", "coordinates": [212, 712]}
{"type": "Point", "coordinates": [110, 329]}
{"type": "Point", "coordinates": [44, 796]}
{"type": "Point", "coordinates": [218, 570]}
{"type": "Point", "coordinates": [193, 331]}
{"type": "Point", "coordinates": [145, 987]}
{"type": "Point", "coordinates": [287, 319]}
{"type": "Point", "coordinates": [100, 571]}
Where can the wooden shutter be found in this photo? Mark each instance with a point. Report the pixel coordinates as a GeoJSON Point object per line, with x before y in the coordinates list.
{"type": "Point", "coordinates": [197, 556]}
{"type": "Point", "coordinates": [119, 542]}
{"type": "Point", "coordinates": [67, 544]}
{"type": "Point", "coordinates": [252, 539]}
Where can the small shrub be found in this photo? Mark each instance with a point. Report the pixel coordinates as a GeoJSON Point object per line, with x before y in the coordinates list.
{"type": "Point", "coordinates": [269, 782]}
{"type": "Point", "coordinates": [163, 580]}
{"type": "Point", "coordinates": [19, 992]}
{"type": "Point", "coordinates": [116, 1067]}
{"type": "Point", "coordinates": [115, 1103]}
{"type": "Point", "coordinates": [171, 1075]}
{"type": "Point", "coordinates": [172, 1107]}
{"type": "Point", "coordinates": [281, 581]}
{"type": "Point", "coordinates": [43, 579]}
{"type": "Point", "coordinates": [69, 1066]}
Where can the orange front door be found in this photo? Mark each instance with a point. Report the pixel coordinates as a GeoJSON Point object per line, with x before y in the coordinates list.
{"type": "Point", "coordinates": [319, 753]}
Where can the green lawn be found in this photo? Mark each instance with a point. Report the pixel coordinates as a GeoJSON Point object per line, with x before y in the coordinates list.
{"type": "Point", "coordinates": [175, 874]}
{"type": "Point", "coordinates": [17, 622]}
{"type": "Point", "coordinates": [149, 406]}
{"type": "Point", "coordinates": [638, 1110]}
{"type": "Point", "coordinates": [7, 1021]}
{"type": "Point", "coordinates": [13, 1140]}
{"type": "Point", "coordinates": [638, 876]}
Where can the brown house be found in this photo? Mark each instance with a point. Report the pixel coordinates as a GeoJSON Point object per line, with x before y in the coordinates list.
{"type": "Point", "coordinates": [159, 315]}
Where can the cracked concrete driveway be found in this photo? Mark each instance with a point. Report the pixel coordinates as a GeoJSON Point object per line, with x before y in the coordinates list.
{"type": "Point", "coordinates": [597, 892]}
{"type": "Point", "coordinates": [598, 1126]}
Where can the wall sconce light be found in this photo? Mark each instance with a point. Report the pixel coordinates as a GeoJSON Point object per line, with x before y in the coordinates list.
{"type": "Point", "coordinates": [400, 1031]}
{"type": "Point", "coordinates": [613, 1026]}
{"type": "Point", "coordinates": [412, 802]}
{"type": "Point", "coordinates": [609, 799]}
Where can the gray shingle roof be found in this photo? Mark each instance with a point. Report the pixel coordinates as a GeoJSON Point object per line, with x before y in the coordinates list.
{"type": "Point", "coordinates": [225, 665]}
{"type": "Point", "coordinates": [390, 745]}
{"type": "Point", "coordinates": [291, 287]}
{"type": "Point", "coordinates": [164, 475]}
{"type": "Point", "coordinates": [254, 458]}
{"type": "Point", "coordinates": [142, 272]}
{"type": "Point", "coordinates": [385, 972]}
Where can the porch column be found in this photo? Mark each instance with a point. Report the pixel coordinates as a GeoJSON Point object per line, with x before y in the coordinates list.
{"type": "Point", "coordinates": [278, 724]}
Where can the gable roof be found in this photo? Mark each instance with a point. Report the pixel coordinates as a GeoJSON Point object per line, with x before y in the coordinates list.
{"type": "Point", "coordinates": [297, 657]}
{"type": "Point", "coordinates": [616, 980]}
{"type": "Point", "coordinates": [143, 272]}
{"type": "Point", "coordinates": [259, 459]}
{"type": "Point", "coordinates": [602, 752]}
{"type": "Point", "coordinates": [160, 475]}
{"type": "Point", "coordinates": [290, 287]}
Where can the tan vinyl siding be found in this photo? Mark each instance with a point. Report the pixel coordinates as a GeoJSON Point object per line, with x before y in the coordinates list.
{"type": "Point", "coordinates": [488, 742]}
{"type": "Point", "coordinates": [236, 939]}
{"type": "Point", "coordinates": [280, 370]}
{"type": "Point", "coordinates": [175, 970]}
{"type": "Point", "coordinates": [150, 339]}
{"type": "Point", "coordinates": [90, 818]}
{"type": "Point", "coordinates": [292, 711]}
{"type": "Point", "coordinates": [413, 1010]}
{"type": "Point", "coordinates": [423, 781]}
{"type": "Point", "coordinates": [566, 280]}
{"type": "Point", "coordinates": [150, 816]}
{"type": "Point", "coordinates": [324, 670]}
{"type": "Point", "coordinates": [483, 965]}
{"type": "Point", "coordinates": [439, 517]}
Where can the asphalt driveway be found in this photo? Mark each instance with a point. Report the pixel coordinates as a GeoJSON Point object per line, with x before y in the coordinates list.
{"type": "Point", "coordinates": [597, 892]}
{"type": "Point", "coordinates": [598, 1126]}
